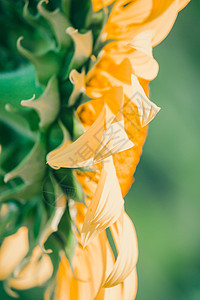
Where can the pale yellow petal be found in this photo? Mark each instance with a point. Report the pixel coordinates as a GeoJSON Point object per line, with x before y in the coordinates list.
{"type": "Point", "coordinates": [124, 231]}
{"type": "Point", "coordinates": [147, 109]}
{"type": "Point", "coordinates": [106, 205]}
{"type": "Point", "coordinates": [12, 251]}
{"type": "Point", "coordinates": [143, 63]}
{"type": "Point", "coordinates": [114, 140]}
{"type": "Point", "coordinates": [130, 286]}
{"type": "Point", "coordinates": [81, 153]}
{"type": "Point", "coordinates": [183, 3]}
{"type": "Point", "coordinates": [35, 273]}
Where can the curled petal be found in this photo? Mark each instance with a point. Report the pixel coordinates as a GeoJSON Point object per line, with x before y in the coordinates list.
{"type": "Point", "coordinates": [106, 205]}
{"type": "Point", "coordinates": [143, 63]}
{"type": "Point", "coordinates": [35, 273]}
{"type": "Point", "coordinates": [125, 239]}
{"type": "Point", "coordinates": [147, 110]}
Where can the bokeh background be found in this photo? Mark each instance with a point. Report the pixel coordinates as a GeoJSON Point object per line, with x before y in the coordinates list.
{"type": "Point", "coordinates": [164, 202]}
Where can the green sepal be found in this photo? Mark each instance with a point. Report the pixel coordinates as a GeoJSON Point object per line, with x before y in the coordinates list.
{"type": "Point", "coordinates": [56, 210]}
{"type": "Point", "coordinates": [66, 236]}
{"type": "Point", "coordinates": [33, 167]}
{"type": "Point", "coordinates": [46, 65]}
{"type": "Point", "coordinates": [80, 13]}
{"type": "Point", "coordinates": [30, 116]}
{"type": "Point", "coordinates": [69, 184]}
{"type": "Point", "coordinates": [21, 193]}
{"type": "Point", "coordinates": [8, 221]}
{"type": "Point", "coordinates": [58, 134]}
{"type": "Point", "coordinates": [66, 4]}
{"type": "Point", "coordinates": [59, 24]}
{"type": "Point", "coordinates": [47, 105]}
{"type": "Point", "coordinates": [71, 122]}
{"type": "Point", "coordinates": [36, 20]}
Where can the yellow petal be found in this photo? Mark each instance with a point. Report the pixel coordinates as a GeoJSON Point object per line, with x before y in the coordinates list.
{"type": "Point", "coordinates": [89, 269]}
{"type": "Point", "coordinates": [125, 238]}
{"type": "Point", "coordinates": [99, 4]}
{"type": "Point", "coordinates": [114, 140]}
{"type": "Point", "coordinates": [81, 153]}
{"type": "Point", "coordinates": [130, 286]}
{"type": "Point", "coordinates": [106, 205]}
{"type": "Point", "coordinates": [143, 63]}
{"type": "Point", "coordinates": [126, 161]}
{"type": "Point", "coordinates": [35, 273]}
{"type": "Point", "coordinates": [126, 12]}
{"type": "Point", "coordinates": [183, 3]}
{"type": "Point", "coordinates": [78, 80]}
{"type": "Point", "coordinates": [126, 290]}
{"type": "Point", "coordinates": [147, 109]}
{"type": "Point", "coordinates": [157, 15]}
{"type": "Point", "coordinates": [12, 251]}
{"type": "Point", "coordinates": [139, 53]}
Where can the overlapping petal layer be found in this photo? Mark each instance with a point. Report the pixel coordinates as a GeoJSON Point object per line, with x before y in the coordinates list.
{"type": "Point", "coordinates": [106, 205]}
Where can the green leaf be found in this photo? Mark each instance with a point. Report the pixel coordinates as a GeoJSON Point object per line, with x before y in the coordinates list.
{"type": "Point", "coordinates": [33, 167]}
{"type": "Point", "coordinates": [21, 193]}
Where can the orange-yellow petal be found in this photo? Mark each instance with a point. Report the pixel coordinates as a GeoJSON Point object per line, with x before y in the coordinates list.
{"type": "Point", "coordinates": [99, 4]}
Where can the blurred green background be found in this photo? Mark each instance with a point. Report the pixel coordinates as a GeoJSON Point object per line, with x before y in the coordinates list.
{"type": "Point", "coordinates": [164, 200]}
